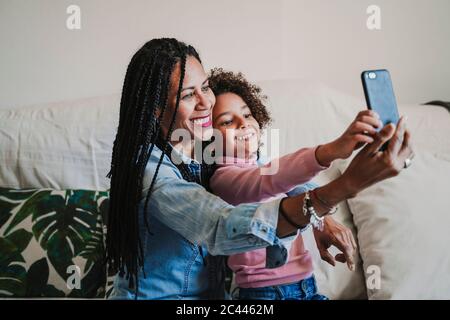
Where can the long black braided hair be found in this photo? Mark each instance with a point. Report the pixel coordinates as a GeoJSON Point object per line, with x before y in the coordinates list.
{"type": "Point", "coordinates": [145, 94]}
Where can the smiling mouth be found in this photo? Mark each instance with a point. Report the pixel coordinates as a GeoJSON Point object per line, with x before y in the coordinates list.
{"type": "Point", "coordinates": [204, 122]}
{"type": "Point", "coordinates": [246, 137]}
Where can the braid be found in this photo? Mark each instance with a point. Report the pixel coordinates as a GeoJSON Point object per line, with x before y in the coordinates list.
{"type": "Point", "coordinates": [165, 146]}
{"type": "Point", "coordinates": [130, 184]}
{"type": "Point", "coordinates": [145, 89]}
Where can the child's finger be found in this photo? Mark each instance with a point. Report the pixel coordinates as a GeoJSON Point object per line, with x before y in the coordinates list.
{"type": "Point", "coordinates": [368, 112]}
{"type": "Point", "coordinates": [373, 121]}
{"type": "Point", "coordinates": [362, 127]}
{"type": "Point", "coordinates": [362, 138]}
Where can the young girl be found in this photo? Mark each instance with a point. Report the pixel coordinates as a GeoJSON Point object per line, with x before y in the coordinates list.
{"type": "Point", "coordinates": [240, 115]}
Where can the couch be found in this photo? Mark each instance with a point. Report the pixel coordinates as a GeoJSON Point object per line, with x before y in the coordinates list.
{"type": "Point", "coordinates": [58, 155]}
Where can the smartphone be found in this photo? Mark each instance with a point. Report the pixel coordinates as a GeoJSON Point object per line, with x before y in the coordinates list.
{"type": "Point", "coordinates": [380, 96]}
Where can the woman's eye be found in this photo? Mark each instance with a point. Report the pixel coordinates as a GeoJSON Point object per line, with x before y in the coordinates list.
{"type": "Point", "coordinates": [205, 88]}
{"type": "Point", "coordinates": [226, 123]}
{"type": "Point", "coordinates": [188, 96]}
{"type": "Point", "coordinates": [248, 115]}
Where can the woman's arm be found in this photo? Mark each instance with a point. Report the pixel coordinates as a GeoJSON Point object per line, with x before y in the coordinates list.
{"type": "Point", "coordinates": [250, 184]}
{"type": "Point", "coordinates": [203, 218]}
{"type": "Point", "coordinates": [367, 168]}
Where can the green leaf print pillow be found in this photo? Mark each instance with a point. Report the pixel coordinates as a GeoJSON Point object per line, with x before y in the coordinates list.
{"type": "Point", "coordinates": [52, 243]}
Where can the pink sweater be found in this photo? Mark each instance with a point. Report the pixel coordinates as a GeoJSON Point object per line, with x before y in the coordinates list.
{"type": "Point", "coordinates": [240, 181]}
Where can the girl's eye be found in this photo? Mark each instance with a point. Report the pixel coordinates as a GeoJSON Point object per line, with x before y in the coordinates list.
{"type": "Point", "coordinates": [226, 123]}
{"type": "Point", "coordinates": [248, 115]}
{"type": "Point", "coordinates": [205, 88]}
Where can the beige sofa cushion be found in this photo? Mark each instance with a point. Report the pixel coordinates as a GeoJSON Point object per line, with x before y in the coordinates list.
{"type": "Point", "coordinates": [403, 222]}
{"type": "Point", "coordinates": [403, 230]}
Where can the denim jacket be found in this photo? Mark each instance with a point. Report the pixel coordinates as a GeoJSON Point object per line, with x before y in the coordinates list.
{"type": "Point", "coordinates": [186, 223]}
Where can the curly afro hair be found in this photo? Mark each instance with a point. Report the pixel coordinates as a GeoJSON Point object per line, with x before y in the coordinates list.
{"type": "Point", "coordinates": [222, 81]}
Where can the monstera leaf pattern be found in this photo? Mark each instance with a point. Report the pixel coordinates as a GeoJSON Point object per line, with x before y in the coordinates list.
{"type": "Point", "coordinates": [67, 226]}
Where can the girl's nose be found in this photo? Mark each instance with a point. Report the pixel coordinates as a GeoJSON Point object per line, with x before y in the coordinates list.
{"type": "Point", "coordinates": [243, 123]}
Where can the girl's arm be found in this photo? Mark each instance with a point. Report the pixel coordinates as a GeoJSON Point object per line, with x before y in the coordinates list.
{"type": "Point", "coordinates": [240, 185]}
{"type": "Point", "coordinates": [237, 184]}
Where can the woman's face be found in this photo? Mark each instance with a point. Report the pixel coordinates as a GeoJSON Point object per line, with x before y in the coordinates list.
{"type": "Point", "coordinates": [240, 131]}
{"type": "Point", "coordinates": [196, 101]}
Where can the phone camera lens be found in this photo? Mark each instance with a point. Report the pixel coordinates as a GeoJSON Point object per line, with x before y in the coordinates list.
{"type": "Point", "coordinates": [372, 75]}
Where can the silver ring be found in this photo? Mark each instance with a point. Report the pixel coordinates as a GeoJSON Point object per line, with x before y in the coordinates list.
{"type": "Point", "coordinates": [407, 163]}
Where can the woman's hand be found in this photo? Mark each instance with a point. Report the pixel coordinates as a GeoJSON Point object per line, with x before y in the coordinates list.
{"type": "Point", "coordinates": [338, 235]}
{"type": "Point", "coordinates": [361, 131]}
{"type": "Point", "coordinates": [371, 165]}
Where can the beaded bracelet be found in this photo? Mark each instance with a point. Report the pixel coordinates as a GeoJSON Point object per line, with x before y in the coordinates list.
{"type": "Point", "coordinates": [308, 209]}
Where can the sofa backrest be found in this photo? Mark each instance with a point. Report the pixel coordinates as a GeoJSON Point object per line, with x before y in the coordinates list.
{"type": "Point", "coordinates": [65, 145]}
{"type": "Point", "coordinates": [68, 145]}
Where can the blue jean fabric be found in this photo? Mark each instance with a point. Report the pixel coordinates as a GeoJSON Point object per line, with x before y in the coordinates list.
{"type": "Point", "coordinates": [186, 223]}
{"type": "Point", "coordinates": [305, 289]}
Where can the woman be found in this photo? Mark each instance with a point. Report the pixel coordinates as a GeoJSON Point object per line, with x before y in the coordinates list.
{"type": "Point", "coordinates": [163, 225]}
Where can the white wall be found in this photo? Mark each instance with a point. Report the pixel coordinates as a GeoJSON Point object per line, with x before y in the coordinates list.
{"type": "Point", "coordinates": [41, 60]}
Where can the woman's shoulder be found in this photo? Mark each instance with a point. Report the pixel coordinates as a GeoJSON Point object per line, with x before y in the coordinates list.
{"type": "Point", "coordinates": [166, 168]}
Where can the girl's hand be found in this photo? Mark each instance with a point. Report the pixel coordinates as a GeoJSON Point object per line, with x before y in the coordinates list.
{"type": "Point", "coordinates": [361, 131]}
{"type": "Point", "coordinates": [339, 236]}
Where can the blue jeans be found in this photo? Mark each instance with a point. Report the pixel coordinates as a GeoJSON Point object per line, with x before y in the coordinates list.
{"type": "Point", "coordinates": [305, 289]}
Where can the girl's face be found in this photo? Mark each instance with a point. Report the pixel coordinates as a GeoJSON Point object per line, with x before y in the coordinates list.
{"type": "Point", "coordinates": [240, 131]}
{"type": "Point", "coordinates": [196, 102]}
